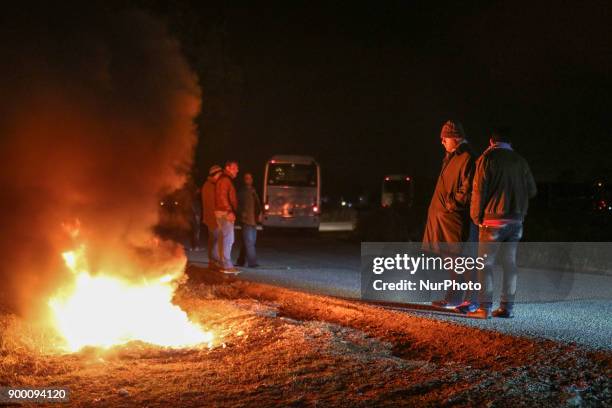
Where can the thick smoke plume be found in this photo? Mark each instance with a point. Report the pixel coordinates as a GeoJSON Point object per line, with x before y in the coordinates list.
{"type": "Point", "coordinates": [96, 121]}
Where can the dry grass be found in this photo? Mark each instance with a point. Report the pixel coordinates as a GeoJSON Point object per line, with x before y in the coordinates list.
{"type": "Point", "coordinates": [278, 347]}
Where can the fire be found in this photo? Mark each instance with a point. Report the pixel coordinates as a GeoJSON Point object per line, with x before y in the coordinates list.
{"type": "Point", "coordinates": [104, 310]}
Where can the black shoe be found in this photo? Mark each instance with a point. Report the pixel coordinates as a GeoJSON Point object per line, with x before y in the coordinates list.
{"type": "Point", "coordinates": [467, 307]}
{"type": "Point", "coordinates": [480, 313]}
{"type": "Point", "coordinates": [503, 313]}
{"type": "Point", "coordinates": [239, 263]}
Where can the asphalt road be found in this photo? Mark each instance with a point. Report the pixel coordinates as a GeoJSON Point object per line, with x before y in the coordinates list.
{"type": "Point", "coordinates": [329, 264]}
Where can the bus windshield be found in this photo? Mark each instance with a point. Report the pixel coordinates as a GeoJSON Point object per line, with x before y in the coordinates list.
{"type": "Point", "coordinates": [292, 175]}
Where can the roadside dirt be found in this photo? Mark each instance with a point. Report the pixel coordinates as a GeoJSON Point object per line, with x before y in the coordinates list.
{"type": "Point", "coordinates": [278, 347]}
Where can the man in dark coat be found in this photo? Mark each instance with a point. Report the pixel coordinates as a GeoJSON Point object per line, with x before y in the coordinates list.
{"type": "Point", "coordinates": [448, 219]}
{"type": "Point", "coordinates": [208, 211]}
{"type": "Point", "coordinates": [249, 215]}
{"type": "Point", "coordinates": [503, 186]}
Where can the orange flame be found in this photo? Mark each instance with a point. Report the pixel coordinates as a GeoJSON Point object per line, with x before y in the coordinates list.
{"type": "Point", "coordinates": [104, 310]}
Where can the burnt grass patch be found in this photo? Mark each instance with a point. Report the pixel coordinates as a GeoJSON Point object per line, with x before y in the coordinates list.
{"type": "Point", "coordinates": [278, 347]}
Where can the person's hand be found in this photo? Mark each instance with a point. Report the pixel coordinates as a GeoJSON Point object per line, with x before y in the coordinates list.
{"type": "Point", "coordinates": [450, 204]}
{"type": "Point", "coordinates": [231, 217]}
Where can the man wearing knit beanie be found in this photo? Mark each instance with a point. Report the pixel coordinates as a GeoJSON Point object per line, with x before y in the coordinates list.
{"type": "Point", "coordinates": [448, 225]}
{"type": "Point", "coordinates": [208, 211]}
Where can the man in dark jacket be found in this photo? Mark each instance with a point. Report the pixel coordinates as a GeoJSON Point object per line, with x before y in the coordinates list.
{"type": "Point", "coordinates": [226, 206]}
{"type": "Point", "coordinates": [448, 221]}
{"type": "Point", "coordinates": [249, 215]}
{"type": "Point", "coordinates": [503, 185]}
{"type": "Point", "coordinates": [208, 210]}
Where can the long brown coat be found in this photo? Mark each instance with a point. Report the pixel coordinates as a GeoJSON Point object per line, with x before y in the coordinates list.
{"type": "Point", "coordinates": [448, 214]}
{"type": "Point", "coordinates": [208, 203]}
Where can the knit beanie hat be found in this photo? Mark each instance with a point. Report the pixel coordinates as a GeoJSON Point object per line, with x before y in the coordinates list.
{"type": "Point", "coordinates": [452, 129]}
{"type": "Point", "coordinates": [214, 170]}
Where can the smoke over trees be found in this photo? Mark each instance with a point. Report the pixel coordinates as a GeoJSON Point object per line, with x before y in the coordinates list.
{"type": "Point", "coordinates": [96, 121]}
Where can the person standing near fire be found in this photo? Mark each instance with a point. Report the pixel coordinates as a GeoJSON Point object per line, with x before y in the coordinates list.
{"type": "Point", "coordinates": [249, 216]}
{"type": "Point", "coordinates": [226, 206]}
{"type": "Point", "coordinates": [208, 210]}
{"type": "Point", "coordinates": [503, 185]}
{"type": "Point", "coordinates": [448, 221]}
{"type": "Point", "coordinates": [195, 197]}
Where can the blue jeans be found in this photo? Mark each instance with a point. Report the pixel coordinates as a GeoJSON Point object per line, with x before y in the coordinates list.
{"type": "Point", "coordinates": [225, 240]}
{"type": "Point", "coordinates": [249, 237]}
{"type": "Point", "coordinates": [491, 239]}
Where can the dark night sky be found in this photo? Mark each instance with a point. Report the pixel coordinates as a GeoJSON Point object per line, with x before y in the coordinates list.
{"type": "Point", "coordinates": [366, 89]}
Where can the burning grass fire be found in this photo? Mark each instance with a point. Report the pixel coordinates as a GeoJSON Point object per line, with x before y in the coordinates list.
{"type": "Point", "coordinates": [95, 135]}
{"type": "Point", "coordinates": [104, 311]}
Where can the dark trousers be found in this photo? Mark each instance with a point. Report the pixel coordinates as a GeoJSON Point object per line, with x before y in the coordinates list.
{"type": "Point", "coordinates": [249, 237]}
{"type": "Point", "coordinates": [503, 242]}
{"type": "Point", "coordinates": [195, 233]}
{"type": "Point", "coordinates": [212, 241]}
{"type": "Point", "coordinates": [468, 249]}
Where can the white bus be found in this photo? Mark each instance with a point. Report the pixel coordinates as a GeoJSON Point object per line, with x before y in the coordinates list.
{"type": "Point", "coordinates": [292, 192]}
